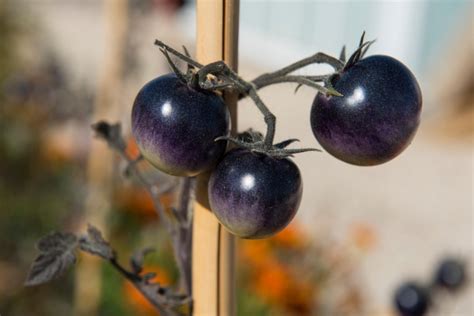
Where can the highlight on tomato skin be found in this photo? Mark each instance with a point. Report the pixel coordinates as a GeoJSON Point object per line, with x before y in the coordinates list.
{"type": "Point", "coordinates": [254, 195]}
{"type": "Point", "coordinates": [377, 116]}
{"type": "Point", "coordinates": [175, 126]}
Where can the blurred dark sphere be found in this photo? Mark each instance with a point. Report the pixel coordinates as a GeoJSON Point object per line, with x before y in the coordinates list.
{"type": "Point", "coordinates": [411, 299]}
{"type": "Point", "coordinates": [451, 274]}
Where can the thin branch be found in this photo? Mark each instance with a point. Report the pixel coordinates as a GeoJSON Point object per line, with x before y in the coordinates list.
{"type": "Point", "coordinates": [150, 290]}
{"type": "Point", "coordinates": [173, 66]}
{"type": "Point", "coordinates": [318, 58]}
{"type": "Point", "coordinates": [303, 80]}
{"type": "Point", "coordinates": [269, 117]}
{"type": "Point", "coordinates": [178, 227]}
{"type": "Point", "coordinates": [183, 237]}
{"type": "Point", "coordinates": [185, 58]}
{"type": "Point", "coordinates": [219, 68]}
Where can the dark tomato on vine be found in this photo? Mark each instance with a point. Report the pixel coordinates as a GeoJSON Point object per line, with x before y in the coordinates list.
{"type": "Point", "coordinates": [377, 116]}
{"type": "Point", "coordinates": [175, 126]}
{"type": "Point", "coordinates": [412, 299]}
{"type": "Point", "coordinates": [254, 195]}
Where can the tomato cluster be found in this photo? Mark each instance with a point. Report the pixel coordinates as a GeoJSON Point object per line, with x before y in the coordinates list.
{"type": "Point", "coordinates": [255, 191]}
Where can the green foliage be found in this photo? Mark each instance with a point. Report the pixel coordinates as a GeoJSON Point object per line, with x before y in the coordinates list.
{"type": "Point", "coordinates": [249, 304]}
{"type": "Point", "coordinates": [113, 302]}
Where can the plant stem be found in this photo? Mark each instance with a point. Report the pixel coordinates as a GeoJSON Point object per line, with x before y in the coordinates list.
{"type": "Point", "coordinates": [178, 226]}
{"type": "Point", "coordinates": [183, 57]}
{"type": "Point", "coordinates": [318, 58]}
{"type": "Point", "coordinates": [150, 291]}
{"type": "Point", "coordinates": [269, 117]}
{"type": "Point", "coordinates": [230, 79]}
{"type": "Point", "coordinates": [184, 234]}
{"type": "Point", "coordinates": [269, 79]}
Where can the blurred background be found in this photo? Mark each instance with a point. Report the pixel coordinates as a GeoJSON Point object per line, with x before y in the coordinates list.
{"type": "Point", "coordinates": [360, 232]}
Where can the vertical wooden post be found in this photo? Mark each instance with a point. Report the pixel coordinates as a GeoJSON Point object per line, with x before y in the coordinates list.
{"type": "Point", "coordinates": [213, 247]}
{"type": "Point", "coordinates": [227, 241]}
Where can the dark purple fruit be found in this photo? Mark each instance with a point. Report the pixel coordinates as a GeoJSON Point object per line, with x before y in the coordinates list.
{"type": "Point", "coordinates": [412, 299]}
{"type": "Point", "coordinates": [450, 274]}
{"type": "Point", "coordinates": [254, 195]}
{"type": "Point", "coordinates": [175, 126]}
{"type": "Point", "coordinates": [377, 116]}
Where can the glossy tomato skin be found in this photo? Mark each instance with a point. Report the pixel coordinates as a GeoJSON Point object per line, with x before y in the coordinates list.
{"type": "Point", "coordinates": [377, 116]}
{"type": "Point", "coordinates": [175, 126]}
{"type": "Point", "coordinates": [254, 195]}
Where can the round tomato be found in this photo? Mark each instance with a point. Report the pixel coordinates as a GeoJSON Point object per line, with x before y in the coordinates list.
{"type": "Point", "coordinates": [377, 116]}
{"type": "Point", "coordinates": [175, 126]}
{"type": "Point", "coordinates": [254, 195]}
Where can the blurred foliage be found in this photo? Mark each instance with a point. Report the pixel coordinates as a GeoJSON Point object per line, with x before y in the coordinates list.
{"type": "Point", "coordinates": [293, 274]}
{"type": "Point", "coordinates": [38, 191]}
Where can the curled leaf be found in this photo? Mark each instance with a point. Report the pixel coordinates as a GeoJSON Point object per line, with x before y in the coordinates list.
{"type": "Point", "coordinates": [57, 254]}
{"type": "Point", "coordinates": [95, 244]}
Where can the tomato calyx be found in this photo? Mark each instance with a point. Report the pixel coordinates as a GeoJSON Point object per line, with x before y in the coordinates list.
{"type": "Point", "coordinates": [358, 54]}
{"type": "Point", "coordinates": [331, 79]}
{"type": "Point", "coordinates": [255, 142]}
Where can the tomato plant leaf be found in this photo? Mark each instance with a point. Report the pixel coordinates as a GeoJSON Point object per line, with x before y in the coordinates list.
{"type": "Point", "coordinates": [95, 244]}
{"type": "Point", "coordinates": [57, 254]}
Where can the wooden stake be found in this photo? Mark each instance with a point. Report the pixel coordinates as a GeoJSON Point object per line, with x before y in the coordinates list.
{"type": "Point", "coordinates": [213, 247]}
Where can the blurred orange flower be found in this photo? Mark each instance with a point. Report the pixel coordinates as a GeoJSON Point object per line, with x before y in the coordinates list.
{"type": "Point", "coordinates": [291, 237]}
{"type": "Point", "coordinates": [132, 149]}
{"type": "Point", "coordinates": [64, 142]}
{"type": "Point", "coordinates": [272, 282]}
{"type": "Point", "coordinates": [137, 200]}
{"type": "Point", "coordinates": [363, 236]}
{"type": "Point", "coordinates": [255, 252]}
{"type": "Point", "coordinates": [276, 281]}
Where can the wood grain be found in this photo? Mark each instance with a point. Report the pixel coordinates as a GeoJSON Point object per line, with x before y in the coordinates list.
{"type": "Point", "coordinates": [213, 247]}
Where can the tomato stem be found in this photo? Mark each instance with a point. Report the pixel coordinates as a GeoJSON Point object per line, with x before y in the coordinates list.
{"type": "Point", "coordinates": [224, 77]}
{"type": "Point", "coordinates": [178, 221]}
